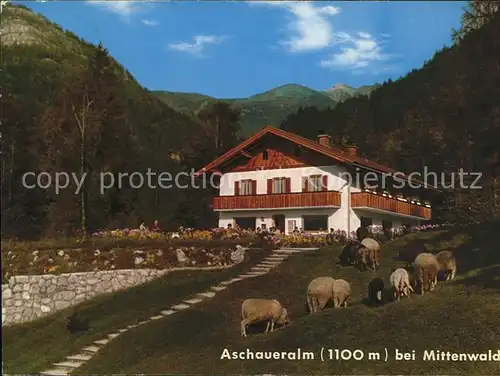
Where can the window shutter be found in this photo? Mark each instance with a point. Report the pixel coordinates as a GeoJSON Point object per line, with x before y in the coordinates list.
{"type": "Point", "coordinates": [304, 184]}
{"type": "Point", "coordinates": [254, 187]}
{"type": "Point", "coordinates": [325, 183]}
{"type": "Point", "coordinates": [288, 185]}
{"type": "Point", "coordinates": [236, 188]}
{"type": "Point", "coordinates": [269, 186]}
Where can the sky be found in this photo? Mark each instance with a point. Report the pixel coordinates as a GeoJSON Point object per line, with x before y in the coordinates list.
{"type": "Point", "coordinates": [241, 48]}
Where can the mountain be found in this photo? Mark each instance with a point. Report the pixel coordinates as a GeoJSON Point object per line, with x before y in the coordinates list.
{"type": "Point", "coordinates": [40, 61]}
{"type": "Point", "coordinates": [270, 107]}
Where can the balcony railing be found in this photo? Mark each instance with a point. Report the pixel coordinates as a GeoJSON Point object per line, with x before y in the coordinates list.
{"type": "Point", "coordinates": [370, 200]}
{"type": "Point", "coordinates": [273, 201]}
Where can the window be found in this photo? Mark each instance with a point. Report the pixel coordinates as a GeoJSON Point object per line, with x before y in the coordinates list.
{"type": "Point", "coordinates": [245, 187]}
{"type": "Point", "coordinates": [315, 222]}
{"type": "Point", "coordinates": [265, 155]}
{"type": "Point", "coordinates": [386, 225]}
{"type": "Point", "coordinates": [278, 185]}
{"type": "Point", "coordinates": [366, 221]}
{"type": "Point", "coordinates": [315, 183]}
{"type": "Point", "coordinates": [246, 223]}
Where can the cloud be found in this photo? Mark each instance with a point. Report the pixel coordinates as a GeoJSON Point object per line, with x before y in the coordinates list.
{"type": "Point", "coordinates": [309, 26]}
{"type": "Point", "coordinates": [363, 51]}
{"type": "Point", "coordinates": [150, 22]}
{"type": "Point", "coordinates": [311, 29]}
{"type": "Point", "coordinates": [200, 42]}
{"type": "Point", "coordinates": [124, 8]}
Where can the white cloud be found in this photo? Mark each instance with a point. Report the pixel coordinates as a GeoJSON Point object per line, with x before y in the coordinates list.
{"type": "Point", "coordinates": [150, 22]}
{"type": "Point", "coordinates": [124, 8]}
{"type": "Point", "coordinates": [363, 51]}
{"type": "Point", "coordinates": [200, 42]}
{"type": "Point", "coordinates": [310, 27]}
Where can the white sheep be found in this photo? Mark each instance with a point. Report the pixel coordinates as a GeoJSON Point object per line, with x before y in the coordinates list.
{"type": "Point", "coordinates": [426, 270]}
{"type": "Point", "coordinates": [447, 263]}
{"type": "Point", "coordinates": [341, 292]}
{"type": "Point", "coordinates": [400, 282]}
{"type": "Point", "coordinates": [255, 310]}
{"type": "Point", "coordinates": [319, 292]}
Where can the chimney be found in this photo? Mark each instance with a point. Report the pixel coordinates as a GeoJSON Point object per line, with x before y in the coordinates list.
{"type": "Point", "coordinates": [324, 139]}
{"type": "Point", "coordinates": [352, 150]}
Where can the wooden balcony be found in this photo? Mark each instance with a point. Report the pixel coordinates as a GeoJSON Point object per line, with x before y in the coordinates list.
{"type": "Point", "coordinates": [369, 200]}
{"type": "Point", "coordinates": [275, 201]}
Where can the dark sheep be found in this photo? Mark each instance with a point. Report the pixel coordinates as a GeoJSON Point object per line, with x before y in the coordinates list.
{"type": "Point", "coordinates": [376, 291]}
{"type": "Point", "coordinates": [362, 232]}
{"type": "Point", "coordinates": [349, 253]}
{"type": "Point", "coordinates": [410, 254]}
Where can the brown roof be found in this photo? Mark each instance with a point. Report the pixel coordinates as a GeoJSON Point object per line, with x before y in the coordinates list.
{"type": "Point", "coordinates": [332, 152]}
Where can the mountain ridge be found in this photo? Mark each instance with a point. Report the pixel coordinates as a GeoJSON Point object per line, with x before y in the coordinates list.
{"type": "Point", "coordinates": [269, 107]}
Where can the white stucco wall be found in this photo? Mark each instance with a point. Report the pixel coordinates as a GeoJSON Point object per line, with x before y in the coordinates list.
{"type": "Point", "coordinates": [335, 179]}
{"type": "Point", "coordinates": [338, 218]}
{"type": "Point", "coordinates": [227, 217]}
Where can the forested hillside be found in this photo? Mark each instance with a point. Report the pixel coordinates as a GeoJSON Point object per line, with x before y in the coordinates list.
{"type": "Point", "coordinates": [52, 82]}
{"type": "Point", "coordinates": [444, 116]}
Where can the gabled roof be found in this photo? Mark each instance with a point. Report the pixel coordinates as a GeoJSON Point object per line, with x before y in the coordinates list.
{"type": "Point", "coordinates": [335, 153]}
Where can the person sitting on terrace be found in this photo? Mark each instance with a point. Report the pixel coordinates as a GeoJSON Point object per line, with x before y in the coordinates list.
{"type": "Point", "coordinates": [156, 226]}
{"type": "Point", "coordinates": [143, 227]}
{"type": "Point", "coordinates": [331, 236]}
{"type": "Point", "coordinates": [296, 231]}
{"type": "Point", "coordinates": [259, 230]}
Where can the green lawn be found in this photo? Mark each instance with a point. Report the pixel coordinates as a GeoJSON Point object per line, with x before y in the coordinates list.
{"type": "Point", "coordinates": [463, 315]}
{"type": "Point", "coordinates": [34, 346]}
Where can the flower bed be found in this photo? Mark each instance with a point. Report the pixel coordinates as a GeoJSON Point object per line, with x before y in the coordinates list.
{"type": "Point", "coordinates": [85, 260]}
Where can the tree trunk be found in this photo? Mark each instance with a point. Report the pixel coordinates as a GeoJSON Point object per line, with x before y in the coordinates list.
{"type": "Point", "coordinates": [83, 193]}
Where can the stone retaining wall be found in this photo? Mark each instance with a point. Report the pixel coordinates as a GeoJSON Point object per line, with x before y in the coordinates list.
{"type": "Point", "coordinates": [26, 298]}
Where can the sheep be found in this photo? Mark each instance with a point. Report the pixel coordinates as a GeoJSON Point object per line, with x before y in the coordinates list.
{"type": "Point", "coordinates": [409, 254]}
{"type": "Point", "coordinates": [255, 310]}
{"type": "Point", "coordinates": [341, 292]}
{"type": "Point", "coordinates": [426, 269]}
{"type": "Point", "coordinates": [375, 291]}
{"type": "Point", "coordinates": [362, 232]}
{"type": "Point", "coordinates": [348, 255]}
{"type": "Point", "coordinates": [319, 292]}
{"type": "Point", "coordinates": [447, 262]}
{"type": "Point", "coordinates": [400, 282]}
{"type": "Point", "coordinates": [363, 258]}
{"type": "Point", "coordinates": [374, 248]}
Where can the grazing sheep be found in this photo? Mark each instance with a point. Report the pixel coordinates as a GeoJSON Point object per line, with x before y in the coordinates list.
{"type": "Point", "coordinates": [361, 233]}
{"type": "Point", "coordinates": [448, 263]}
{"type": "Point", "coordinates": [375, 291]}
{"type": "Point", "coordinates": [374, 248]}
{"type": "Point", "coordinates": [409, 254]}
{"type": "Point", "coordinates": [341, 292]}
{"type": "Point", "coordinates": [349, 253]}
{"type": "Point", "coordinates": [363, 257]}
{"type": "Point", "coordinates": [255, 310]}
{"type": "Point", "coordinates": [426, 270]}
{"type": "Point", "coordinates": [400, 282]}
{"type": "Point", "coordinates": [319, 292]}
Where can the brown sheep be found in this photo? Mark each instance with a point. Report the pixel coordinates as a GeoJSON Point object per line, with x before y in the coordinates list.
{"type": "Point", "coordinates": [319, 293]}
{"type": "Point", "coordinates": [374, 248]}
{"type": "Point", "coordinates": [341, 292]}
{"type": "Point", "coordinates": [255, 310]}
{"type": "Point", "coordinates": [447, 263]}
{"type": "Point", "coordinates": [426, 270]}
